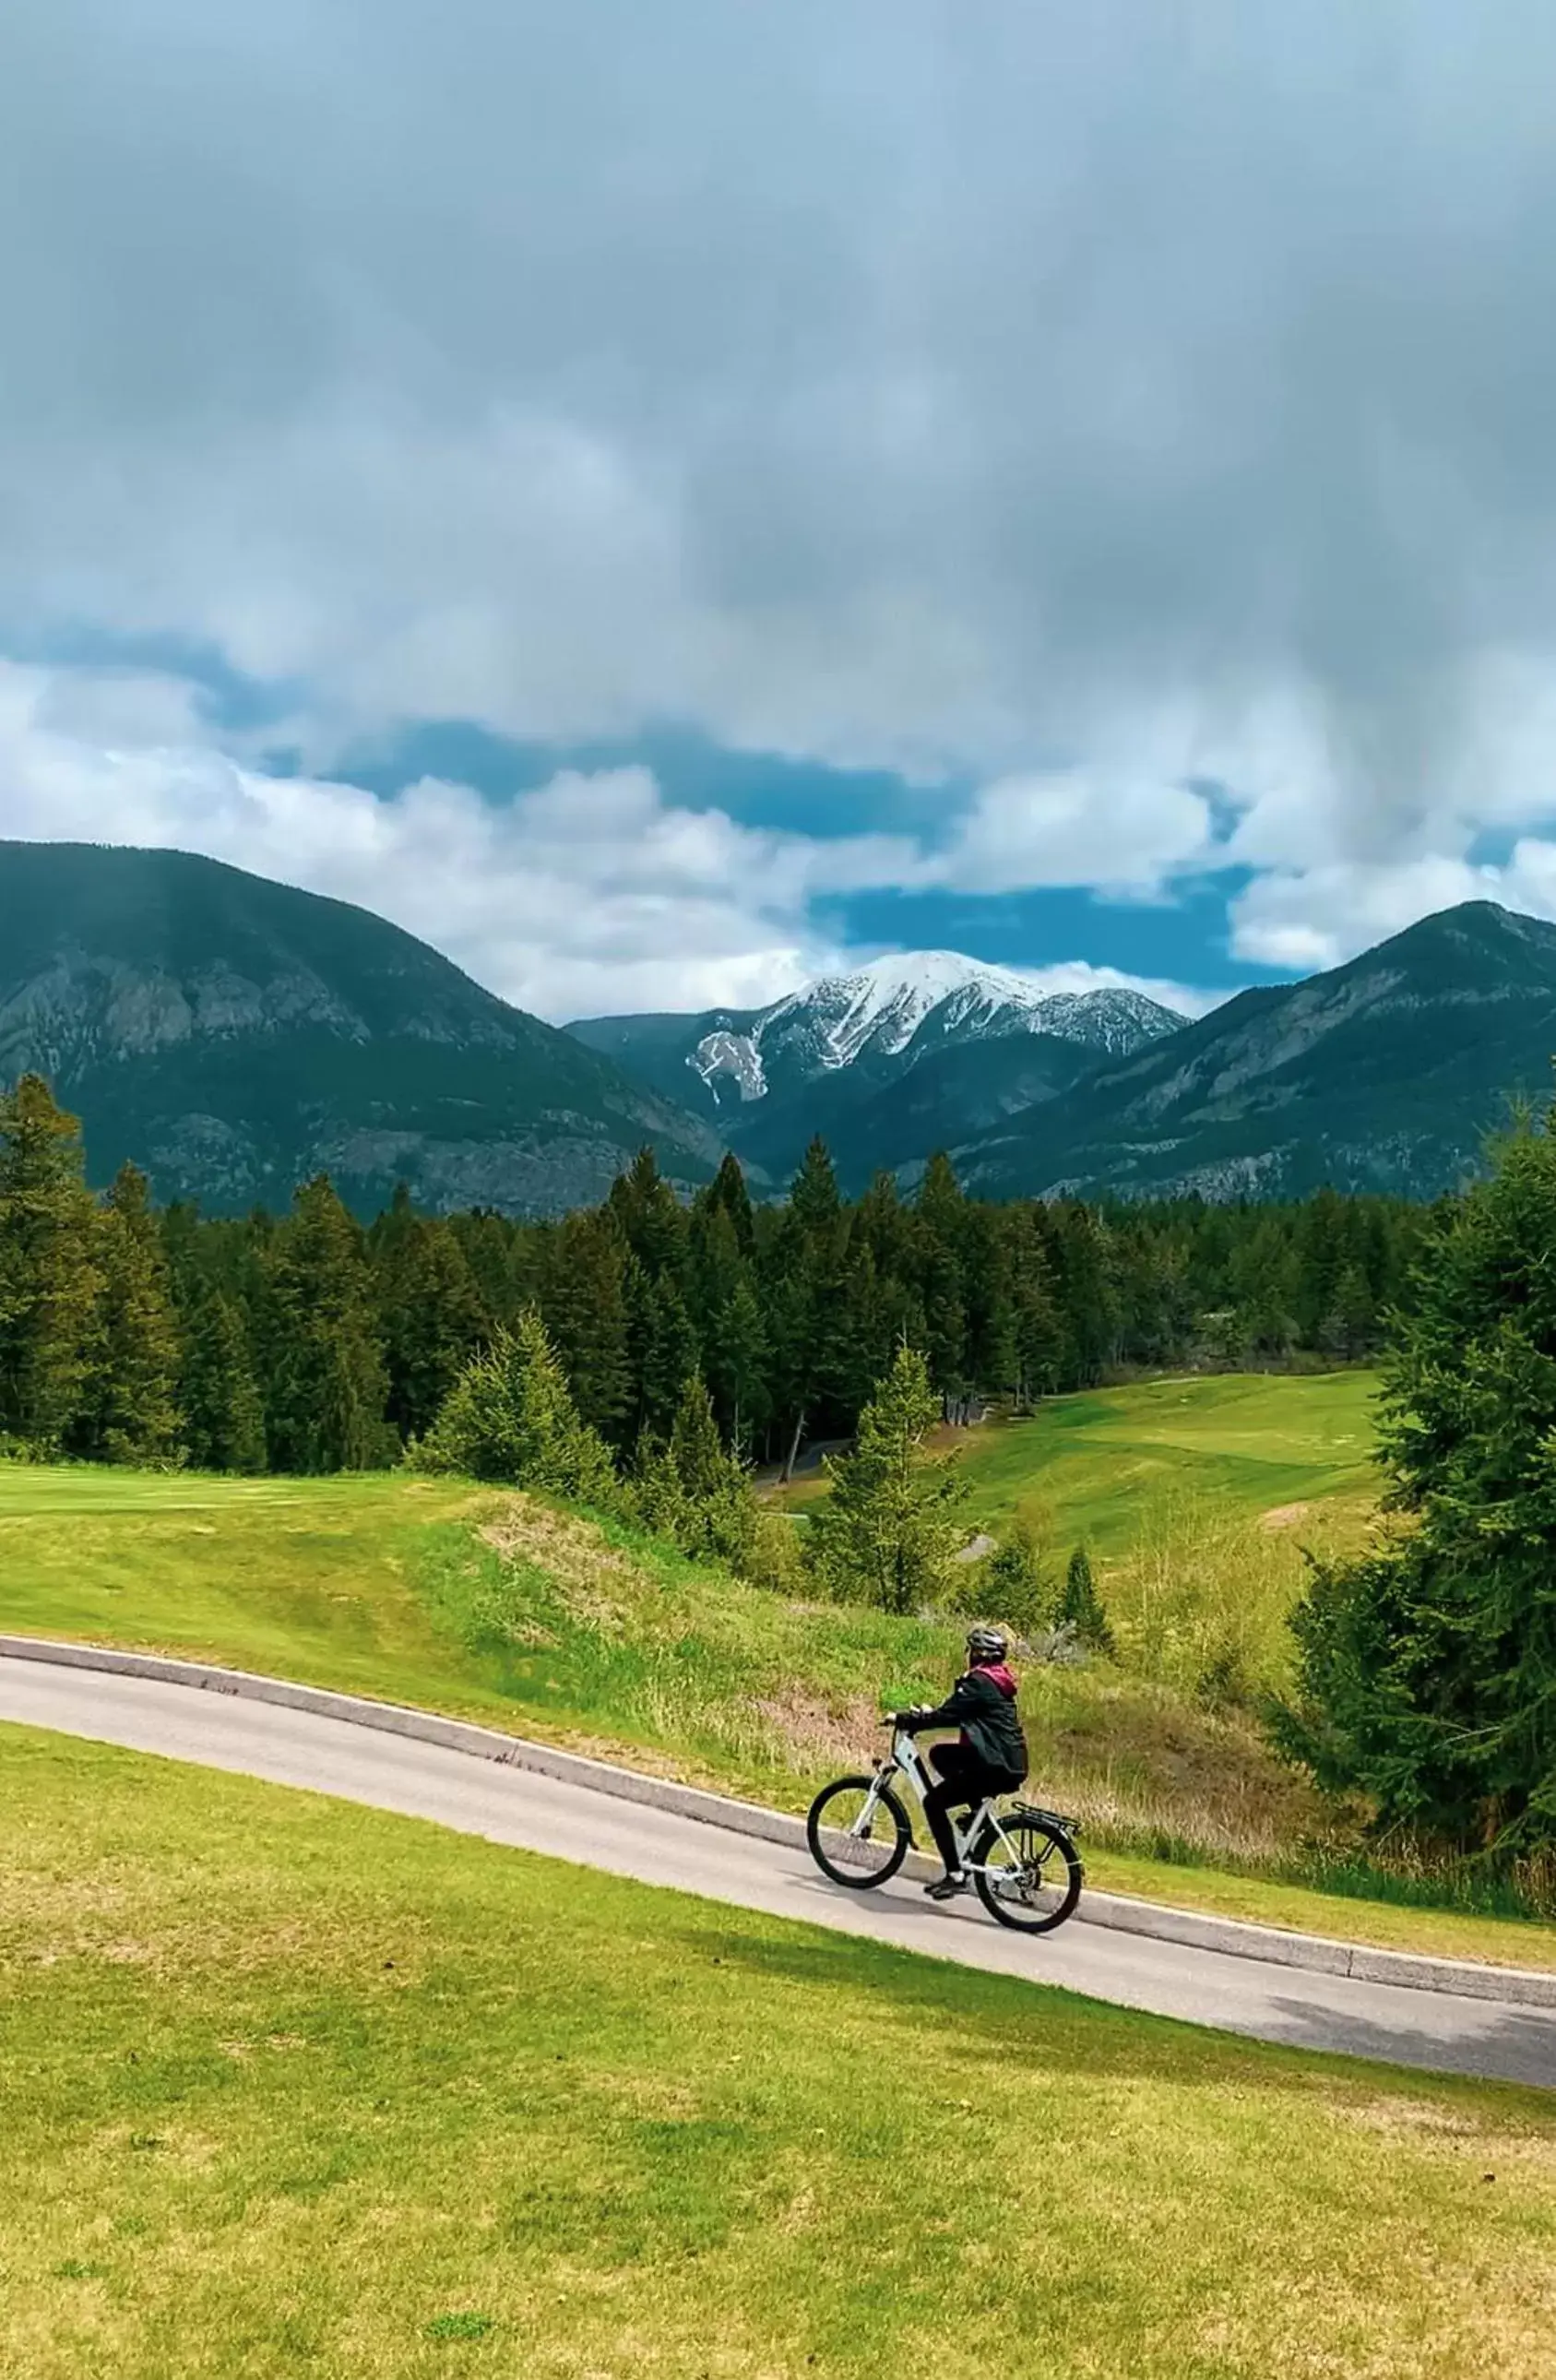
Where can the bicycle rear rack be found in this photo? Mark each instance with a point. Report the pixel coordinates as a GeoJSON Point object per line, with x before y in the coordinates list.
{"type": "Point", "coordinates": [1048, 1817]}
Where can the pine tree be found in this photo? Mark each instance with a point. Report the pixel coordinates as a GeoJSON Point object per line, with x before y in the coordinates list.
{"type": "Point", "coordinates": [808, 1314]}
{"type": "Point", "coordinates": [1427, 1667]}
{"type": "Point", "coordinates": [990, 1310]}
{"type": "Point", "coordinates": [50, 1275]}
{"type": "Point", "coordinates": [718, 1505]}
{"type": "Point", "coordinates": [814, 1200]}
{"type": "Point", "coordinates": [583, 1297]}
{"type": "Point", "coordinates": [1350, 1327]}
{"type": "Point", "coordinates": [130, 1410]}
{"type": "Point", "coordinates": [487, 1243]}
{"type": "Point", "coordinates": [650, 1217]}
{"type": "Point", "coordinates": [1080, 1606]}
{"type": "Point", "coordinates": [941, 1216]}
{"type": "Point", "coordinates": [662, 1348]}
{"type": "Point", "coordinates": [326, 1384]}
{"type": "Point", "coordinates": [1015, 1588]}
{"type": "Point", "coordinates": [1036, 1328]}
{"type": "Point", "coordinates": [224, 1413]}
{"type": "Point", "coordinates": [431, 1312]}
{"type": "Point", "coordinates": [511, 1417]}
{"type": "Point", "coordinates": [1088, 1297]}
{"type": "Point", "coordinates": [737, 1354]}
{"type": "Point", "coordinates": [653, 1496]}
{"type": "Point", "coordinates": [889, 1531]}
{"type": "Point", "coordinates": [727, 1192]}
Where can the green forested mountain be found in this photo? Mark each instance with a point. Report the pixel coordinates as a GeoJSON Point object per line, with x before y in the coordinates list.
{"type": "Point", "coordinates": [233, 1036]}
{"type": "Point", "coordinates": [1385, 1074]}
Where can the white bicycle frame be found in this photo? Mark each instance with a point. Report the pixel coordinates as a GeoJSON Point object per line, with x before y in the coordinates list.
{"type": "Point", "coordinates": [906, 1761]}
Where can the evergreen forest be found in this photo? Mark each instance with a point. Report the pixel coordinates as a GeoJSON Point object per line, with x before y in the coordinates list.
{"type": "Point", "coordinates": [309, 1342]}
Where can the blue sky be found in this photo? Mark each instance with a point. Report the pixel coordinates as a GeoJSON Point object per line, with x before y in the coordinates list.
{"type": "Point", "coordinates": [664, 502]}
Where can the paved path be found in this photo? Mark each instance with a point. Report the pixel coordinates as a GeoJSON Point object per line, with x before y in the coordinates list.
{"type": "Point", "coordinates": [477, 1797]}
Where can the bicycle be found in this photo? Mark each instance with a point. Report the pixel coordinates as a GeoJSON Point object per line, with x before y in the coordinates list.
{"type": "Point", "coordinates": [1023, 1860]}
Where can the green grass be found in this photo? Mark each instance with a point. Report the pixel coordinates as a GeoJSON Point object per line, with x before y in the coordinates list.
{"type": "Point", "coordinates": [1090, 1466]}
{"type": "Point", "coordinates": [298, 2087]}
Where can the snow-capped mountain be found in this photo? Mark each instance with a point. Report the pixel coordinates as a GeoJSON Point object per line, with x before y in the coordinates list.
{"type": "Point", "coordinates": [900, 1007]}
{"type": "Point", "coordinates": [831, 1058]}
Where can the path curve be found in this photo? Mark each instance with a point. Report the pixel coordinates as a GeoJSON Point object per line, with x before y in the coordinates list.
{"type": "Point", "coordinates": [537, 1813]}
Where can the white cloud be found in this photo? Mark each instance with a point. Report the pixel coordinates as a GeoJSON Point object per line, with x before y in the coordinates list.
{"type": "Point", "coordinates": [1324, 916]}
{"type": "Point", "coordinates": [1074, 827]}
{"type": "Point", "coordinates": [901, 385]}
{"type": "Point", "coordinates": [589, 893]}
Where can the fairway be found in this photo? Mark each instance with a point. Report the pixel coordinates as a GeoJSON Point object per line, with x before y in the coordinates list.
{"type": "Point", "coordinates": [299, 2086]}
{"type": "Point", "coordinates": [1253, 1444]}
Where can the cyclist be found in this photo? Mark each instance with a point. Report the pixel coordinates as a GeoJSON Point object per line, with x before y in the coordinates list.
{"type": "Point", "coordinates": [988, 1756]}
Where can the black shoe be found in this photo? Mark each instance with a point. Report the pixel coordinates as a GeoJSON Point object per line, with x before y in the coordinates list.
{"type": "Point", "coordinates": [946, 1888]}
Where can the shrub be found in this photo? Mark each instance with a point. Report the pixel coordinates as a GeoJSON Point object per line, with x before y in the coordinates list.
{"type": "Point", "coordinates": [1013, 1587]}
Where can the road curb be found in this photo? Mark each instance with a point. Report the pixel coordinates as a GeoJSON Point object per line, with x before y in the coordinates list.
{"type": "Point", "coordinates": [1468, 1979]}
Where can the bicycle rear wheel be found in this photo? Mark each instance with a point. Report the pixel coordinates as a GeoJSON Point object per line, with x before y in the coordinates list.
{"type": "Point", "coordinates": [1027, 1873]}
{"type": "Point", "coordinates": [858, 1832]}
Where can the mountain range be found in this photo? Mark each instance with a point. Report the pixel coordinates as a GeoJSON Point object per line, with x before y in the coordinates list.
{"type": "Point", "coordinates": [920, 1042]}
{"type": "Point", "coordinates": [233, 1034]}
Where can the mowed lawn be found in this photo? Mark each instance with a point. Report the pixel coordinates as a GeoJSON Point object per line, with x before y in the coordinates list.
{"type": "Point", "coordinates": [297, 2087]}
{"type": "Point", "coordinates": [1254, 1443]}
{"type": "Point", "coordinates": [325, 1580]}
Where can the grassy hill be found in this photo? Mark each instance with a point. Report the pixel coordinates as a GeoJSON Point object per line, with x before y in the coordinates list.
{"type": "Point", "coordinates": [499, 1607]}
{"type": "Point", "coordinates": [302, 2087]}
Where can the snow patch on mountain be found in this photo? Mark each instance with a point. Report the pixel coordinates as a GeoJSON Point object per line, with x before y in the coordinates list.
{"type": "Point", "coordinates": [730, 1058]}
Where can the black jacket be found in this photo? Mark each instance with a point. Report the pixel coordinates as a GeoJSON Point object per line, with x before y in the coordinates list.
{"type": "Point", "coordinates": [982, 1703]}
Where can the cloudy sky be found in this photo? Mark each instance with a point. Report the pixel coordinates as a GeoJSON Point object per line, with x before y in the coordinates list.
{"type": "Point", "coordinates": [657, 499]}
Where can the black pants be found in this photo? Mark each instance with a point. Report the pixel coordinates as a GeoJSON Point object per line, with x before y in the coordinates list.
{"type": "Point", "coordinates": [965, 1781]}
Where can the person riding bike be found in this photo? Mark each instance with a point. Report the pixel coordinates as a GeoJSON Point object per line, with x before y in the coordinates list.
{"type": "Point", "coordinates": [988, 1756]}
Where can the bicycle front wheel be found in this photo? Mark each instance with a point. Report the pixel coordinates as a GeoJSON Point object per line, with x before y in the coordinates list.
{"type": "Point", "coordinates": [1028, 1874]}
{"type": "Point", "coordinates": [858, 1832]}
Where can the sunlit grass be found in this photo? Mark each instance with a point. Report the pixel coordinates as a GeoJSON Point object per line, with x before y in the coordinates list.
{"type": "Point", "coordinates": [1090, 1467]}
{"type": "Point", "coordinates": [299, 2087]}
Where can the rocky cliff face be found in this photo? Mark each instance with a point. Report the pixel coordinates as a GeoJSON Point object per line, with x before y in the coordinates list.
{"type": "Point", "coordinates": [233, 1036]}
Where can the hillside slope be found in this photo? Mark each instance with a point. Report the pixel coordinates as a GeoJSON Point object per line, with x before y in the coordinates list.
{"type": "Point", "coordinates": [233, 1036]}
{"type": "Point", "coordinates": [1384, 1075]}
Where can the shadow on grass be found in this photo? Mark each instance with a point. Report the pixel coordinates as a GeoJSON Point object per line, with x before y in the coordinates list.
{"type": "Point", "coordinates": [1003, 2022]}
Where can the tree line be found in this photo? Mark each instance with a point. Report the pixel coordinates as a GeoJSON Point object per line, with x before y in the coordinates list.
{"type": "Point", "coordinates": [309, 1342]}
